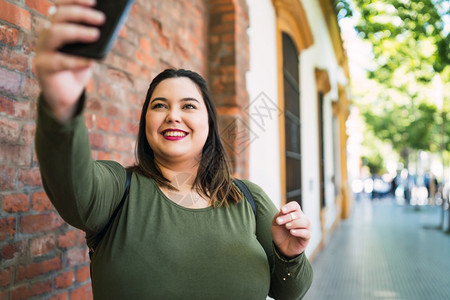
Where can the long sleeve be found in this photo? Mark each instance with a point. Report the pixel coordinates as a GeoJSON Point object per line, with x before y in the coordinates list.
{"type": "Point", "coordinates": [290, 278]}
{"type": "Point", "coordinates": [83, 191]}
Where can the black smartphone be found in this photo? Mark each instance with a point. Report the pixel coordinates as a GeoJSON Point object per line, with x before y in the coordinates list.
{"type": "Point", "coordinates": [116, 12]}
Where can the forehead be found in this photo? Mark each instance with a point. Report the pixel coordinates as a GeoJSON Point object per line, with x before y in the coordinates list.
{"type": "Point", "coordinates": [177, 88]}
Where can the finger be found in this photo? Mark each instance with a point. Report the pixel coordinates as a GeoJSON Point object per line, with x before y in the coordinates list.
{"type": "Point", "coordinates": [298, 224]}
{"type": "Point", "coordinates": [78, 14]}
{"type": "Point", "coordinates": [289, 217]}
{"type": "Point", "coordinates": [290, 206]}
{"type": "Point", "coordinates": [55, 62]}
{"type": "Point", "coordinates": [301, 233]}
{"type": "Point", "coordinates": [60, 34]}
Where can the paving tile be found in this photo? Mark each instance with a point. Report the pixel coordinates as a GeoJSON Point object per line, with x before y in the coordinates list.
{"type": "Point", "coordinates": [384, 251]}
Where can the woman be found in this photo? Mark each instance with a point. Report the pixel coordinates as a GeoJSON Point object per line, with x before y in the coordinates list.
{"type": "Point", "coordinates": [184, 231]}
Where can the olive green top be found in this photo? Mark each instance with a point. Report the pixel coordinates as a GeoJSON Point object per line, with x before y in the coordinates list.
{"type": "Point", "coordinates": [155, 248]}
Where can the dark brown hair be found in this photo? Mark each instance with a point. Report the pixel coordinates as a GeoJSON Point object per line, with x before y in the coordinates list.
{"type": "Point", "coordinates": [213, 178]}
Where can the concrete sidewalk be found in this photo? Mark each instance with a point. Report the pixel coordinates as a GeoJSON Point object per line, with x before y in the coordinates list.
{"type": "Point", "coordinates": [384, 251]}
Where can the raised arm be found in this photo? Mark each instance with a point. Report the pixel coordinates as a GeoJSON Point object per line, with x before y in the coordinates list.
{"type": "Point", "coordinates": [84, 192]}
{"type": "Point", "coordinates": [62, 77]}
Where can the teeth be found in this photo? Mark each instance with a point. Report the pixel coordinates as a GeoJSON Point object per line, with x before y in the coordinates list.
{"type": "Point", "coordinates": [174, 133]}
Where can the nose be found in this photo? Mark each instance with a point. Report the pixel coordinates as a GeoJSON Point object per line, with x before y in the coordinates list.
{"type": "Point", "coordinates": [173, 116]}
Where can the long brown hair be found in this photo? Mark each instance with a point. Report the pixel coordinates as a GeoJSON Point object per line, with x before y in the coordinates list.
{"type": "Point", "coordinates": [213, 178]}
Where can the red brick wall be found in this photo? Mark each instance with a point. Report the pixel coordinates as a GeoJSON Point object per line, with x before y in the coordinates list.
{"type": "Point", "coordinates": [42, 256]}
{"type": "Point", "coordinates": [228, 65]}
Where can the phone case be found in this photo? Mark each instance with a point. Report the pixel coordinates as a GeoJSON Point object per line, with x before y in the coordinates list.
{"type": "Point", "coordinates": [116, 12]}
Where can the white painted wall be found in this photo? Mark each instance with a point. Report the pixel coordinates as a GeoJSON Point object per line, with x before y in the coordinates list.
{"type": "Point", "coordinates": [262, 86]}
{"type": "Point", "coordinates": [319, 55]}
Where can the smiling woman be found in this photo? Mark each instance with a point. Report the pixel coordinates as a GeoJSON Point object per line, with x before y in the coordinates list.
{"type": "Point", "coordinates": [178, 133]}
{"type": "Point", "coordinates": [174, 225]}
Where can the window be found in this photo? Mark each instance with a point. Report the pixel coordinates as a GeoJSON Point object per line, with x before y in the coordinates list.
{"type": "Point", "coordinates": [292, 120]}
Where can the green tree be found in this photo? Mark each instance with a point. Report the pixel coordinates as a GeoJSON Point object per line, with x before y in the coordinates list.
{"type": "Point", "coordinates": [410, 47]}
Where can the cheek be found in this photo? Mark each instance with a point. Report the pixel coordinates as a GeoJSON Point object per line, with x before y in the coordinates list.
{"type": "Point", "coordinates": [151, 126]}
{"type": "Point", "coordinates": [203, 127]}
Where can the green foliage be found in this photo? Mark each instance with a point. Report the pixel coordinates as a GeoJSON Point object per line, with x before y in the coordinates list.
{"type": "Point", "coordinates": [406, 35]}
{"type": "Point", "coordinates": [410, 48]}
{"type": "Point", "coordinates": [405, 126]}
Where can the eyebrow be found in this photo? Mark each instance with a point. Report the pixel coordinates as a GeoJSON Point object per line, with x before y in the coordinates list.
{"type": "Point", "coordinates": [182, 99]}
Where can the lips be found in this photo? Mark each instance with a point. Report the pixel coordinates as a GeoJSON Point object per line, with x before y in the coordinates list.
{"type": "Point", "coordinates": [174, 134]}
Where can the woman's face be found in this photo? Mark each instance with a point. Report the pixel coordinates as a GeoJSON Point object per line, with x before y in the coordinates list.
{"type": "Point", "coordinates": [177, 121]}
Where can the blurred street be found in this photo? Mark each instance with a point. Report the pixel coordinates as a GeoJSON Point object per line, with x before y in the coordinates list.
{"type": "Point", "coordinates": [384, 251]}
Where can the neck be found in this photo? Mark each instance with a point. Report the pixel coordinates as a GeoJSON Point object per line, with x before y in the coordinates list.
{"type": "Point", "coordinates": [181, 175]}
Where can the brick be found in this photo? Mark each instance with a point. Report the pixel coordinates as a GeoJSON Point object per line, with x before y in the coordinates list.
{"type": "Point", "coordinates": [9, 82]}
{"type": "Point", "coordinates": [27, 134]}
{"type": "Point", "coordinates": [89, 120]}
{"type": "Point", "coordinates": [11, 59]}
{"type": "Point", "coordinates": [120, 143]}
{"type": "Point", "coordinates": [29, 43]}
{"type": "Point", "coordinates": [64, 280]}
{"type": "Point", "coordinates": [29, 178]}
{"type": "Point", "coordinates": [67, 240]}
{"type": "Point", "coordinates": [112, 110]}
{"type": "Point", "coordinates": [7, 175]}
{"type": "Point", "coordinates": [122, 127]}
{"type": "Point", "coordinates": [9, 35]}
{"type": "Point", "coordinates": [42, 245]}
{"type": "Point", "coordinates": [40, 202]}
{"type": "Point", "coordinates": [7, 227]}
{"type": "Point", "coordinates": [105, 90]}
{"type": "Point", "coordinates": [4, 295]}
{"type": "Point", "coordinates": [6, 276]}
{"type": "Point", "coordinates": [6, 105]}
{"type": "Point", "coordinates": [229, 17]}
{"type": "Point", "coordinates": [123, 32]}
{"type": "Point", "coordinates": [125, 48]}
{"type": "Point", "coordinates": [221, 8]}
{"type": "Point", "coordinates": [94, 104]}
{"type": "Point", "coordinates": [37, 23]}
{"type": "Point", "coordinates": [102, 155]}
{"type": "Point", "coordinates": [9, 130]}
{"type": "Point", "coordinates": [80, 237]}
{"type": "Point", "coordinates": [15, 250]}
{"type": "Point", "coordinates": [103, 123]}
{"type": "Point", "coordinates": [82, 293]}
{"type": "Point", "coordinates": [83, 274]}
{"type": "Point", "coordinates": [40, 223]}
{"type": "Point", "coordinates": [60, 296]}
{"type": "Point", "coordinates": [16, 203]}
{"type": "Point", "coordinates": [90, 85]}
{"type": "Point", "coordinates": [33, 290]}
{"type": "Point", "coordinates": [97, 141]}
{"type": "Point", "coordinates": [15, 15]}
{"type": "Point", "coordinates": [145, 45]}
{"type": "Point", "coordinates": [19, 155]}
{"type": "Point", "coordinates": [14, 108]}
{"type": "Point", "coordinates": [133, 68]}
{"type": "Point", "coordinates": [40, 6]}
{"type": "Point", "coordinates": [76, 256]}
{"type": "Point", "coordinates": [36, 269]}
{"type": "Point", "coordinates": [30, 88]}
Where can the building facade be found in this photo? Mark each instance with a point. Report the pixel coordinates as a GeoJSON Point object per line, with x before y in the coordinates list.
{"type": "Point", "coordinates": [278, 75]}
{"type": "Point", "coordinates": [297, 84]}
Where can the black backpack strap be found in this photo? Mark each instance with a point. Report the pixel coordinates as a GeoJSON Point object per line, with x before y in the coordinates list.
{"type": "Point", "coordinates": [102, 233]}
{"type": "Point", "coordinates": [248, 195]}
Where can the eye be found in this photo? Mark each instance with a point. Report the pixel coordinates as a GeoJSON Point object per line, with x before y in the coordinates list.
{"type": "Point", "coordinates": [158, 105]}
{"type": "Point", "coordinates": [189, 106]}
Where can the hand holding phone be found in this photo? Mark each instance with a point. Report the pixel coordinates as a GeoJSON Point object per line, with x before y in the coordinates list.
{"type": "Point", "coordinates": [116, 12]}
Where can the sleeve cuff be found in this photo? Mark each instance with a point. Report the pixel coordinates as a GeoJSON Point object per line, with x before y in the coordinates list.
{"type": "Point", "coordinates": [287, 260]}
{"type": "Point", "coordinates": [52, 123]}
